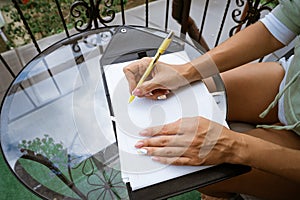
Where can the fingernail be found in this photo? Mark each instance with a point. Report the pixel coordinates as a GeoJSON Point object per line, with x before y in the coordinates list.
{"type": "Point", "coordinates": [144, 133]}
{"type": "Point", "coordinates": [149, 94]}
{"type": "Point", "coordinates": [142, 151]}
{"type": "Point", "coordinates": [162, 97]}
{"type": "Point", "coordinates": [139, 144]}
{"type": "Point", "coordinates": [155, 158]}
{"type": "Point", "coordinates": [136, 92]}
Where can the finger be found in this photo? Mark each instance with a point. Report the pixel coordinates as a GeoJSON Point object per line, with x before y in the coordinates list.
{"type": "Point", "coordinates": [167, 129]}
{"type": "Point", "coordinates": [147, 87]}
{"type": "Point", "coordinates": [183, 126]}
{"type": "Point", "coordinates": [138, 67]}
{"type": "Point", "coordinates": [167, 151]}
{"type": "Point", "coordinates": [131, 80]}
{"type": "Point", "coordinates": [134, 71]}
{"type": "Point", "coordinates": [173, 160]}
{"type": "Point", "coordinates": [163, 141]}
{"type": "Point", "coordinates": [158, 94]}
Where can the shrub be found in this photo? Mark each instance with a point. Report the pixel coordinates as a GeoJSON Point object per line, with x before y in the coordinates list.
{"type": "Point", "coordinates": [42, 17]}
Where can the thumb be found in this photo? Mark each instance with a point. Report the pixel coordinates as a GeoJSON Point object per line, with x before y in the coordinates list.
{"type": "Point", "coordinates": [146, 88]}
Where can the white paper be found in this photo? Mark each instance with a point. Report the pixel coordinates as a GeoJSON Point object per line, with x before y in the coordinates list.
{"type": "Point", "coordinates": [193, 100]}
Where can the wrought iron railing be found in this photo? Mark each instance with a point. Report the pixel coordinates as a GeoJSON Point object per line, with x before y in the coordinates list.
{"type": "Point", "coordinates": [92, 14]}
{"type": "Point", "coordinates": [88, 15]}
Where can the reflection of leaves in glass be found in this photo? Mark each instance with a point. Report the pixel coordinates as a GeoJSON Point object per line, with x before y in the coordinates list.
{"type": "Point", "coordinates": [96, 181]}
{"type": "Point", "coordinates": [55, 158]}
{"type": "Point", "coordinates": [109, 185]}
{"type": "Point", "coordinates": [48, 148]}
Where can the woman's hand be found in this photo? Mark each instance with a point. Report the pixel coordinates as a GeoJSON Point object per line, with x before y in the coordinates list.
{"type": "Point", "coordinates": [164, 77]}
{"type": "Point", "coordinates": [191, 141]}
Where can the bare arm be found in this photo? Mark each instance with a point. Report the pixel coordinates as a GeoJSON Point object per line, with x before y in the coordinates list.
{"type": "Point", "coordinates": [247, 45]}
{"type": "Point", "coordinates": [269, 157]}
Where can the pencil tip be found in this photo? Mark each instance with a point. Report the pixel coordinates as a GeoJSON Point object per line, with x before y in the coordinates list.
{"type": "Point", "coordinates": [131, 98]}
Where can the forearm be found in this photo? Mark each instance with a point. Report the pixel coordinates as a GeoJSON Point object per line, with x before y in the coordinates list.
{"type": "Point", "coordinates": [247, 45]}
{"type": "Point", "coordinates": [268, 157]}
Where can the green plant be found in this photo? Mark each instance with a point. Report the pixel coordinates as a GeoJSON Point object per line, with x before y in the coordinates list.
{"type": "Point", "coordinates": [271, 3]}
{"type": "Point", "coordinates": [43, 18]}
{"type": "Point", "coordinates": [44, 146]}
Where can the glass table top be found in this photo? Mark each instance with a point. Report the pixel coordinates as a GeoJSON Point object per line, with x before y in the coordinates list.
{"type": "Point", "coordinates": [57, 135]}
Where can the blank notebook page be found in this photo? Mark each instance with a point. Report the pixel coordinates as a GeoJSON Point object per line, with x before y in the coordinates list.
{"type": "Point", "coordinates": [192, 100]}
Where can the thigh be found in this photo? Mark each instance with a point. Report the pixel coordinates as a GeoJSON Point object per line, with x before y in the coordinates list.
{"type": "Point", "coordinates": [250, 89]}
{"type": "Point", "coordinates": [255, 183]}
{"type": "Point", "coordinates": [259, 183]}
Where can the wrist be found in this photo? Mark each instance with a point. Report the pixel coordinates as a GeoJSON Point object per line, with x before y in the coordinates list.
{"type": "Point", "coordinates": [189, 72]}
{"type": "Point", "coordinates": [258, 151]}
{"type": "Point", "coordinates": [239, 148]}
{"type": "Point", "coordinates": [205, 66]}
{"type": "Point", "coordinates": [249, 150]}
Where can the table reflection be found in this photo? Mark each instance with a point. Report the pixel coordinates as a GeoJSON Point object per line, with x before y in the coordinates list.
{"type": "Point", "coordinates": [57, 135]}
{"type": "Point", "coordinates": [56, 131]}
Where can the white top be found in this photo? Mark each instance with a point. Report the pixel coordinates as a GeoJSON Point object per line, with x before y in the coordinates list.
{"type": "Point", "coordinates": [278, 29]}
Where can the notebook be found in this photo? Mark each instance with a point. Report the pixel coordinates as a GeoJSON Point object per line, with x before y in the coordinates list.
{"type": "Point", "coordinates": [193, 100]}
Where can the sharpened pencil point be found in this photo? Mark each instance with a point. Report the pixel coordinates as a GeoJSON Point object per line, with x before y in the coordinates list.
{"type": "Point", "coordinates": [131, 98]}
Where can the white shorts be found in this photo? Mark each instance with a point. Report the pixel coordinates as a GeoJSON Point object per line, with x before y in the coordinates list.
{"type": "Point", "coordinates": [285, 64]}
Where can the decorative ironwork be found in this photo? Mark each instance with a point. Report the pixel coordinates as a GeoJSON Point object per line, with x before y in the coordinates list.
{"type": "Point", "coordinates": [39, 158]}
{"type": "Point", "coordinates": [251, 13]}
{"type": "Point", "coordinates": [108, 185]}
{"type": "Point", "coordinates": [223, 22]}
{"type": "Point", "coordinates": [92, 13]}
{"type": "Point", "coordinates": [89, 177]}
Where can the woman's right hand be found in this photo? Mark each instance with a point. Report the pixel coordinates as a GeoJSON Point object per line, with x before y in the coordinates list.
{"type": "Point", "coordinates": [163, 78]}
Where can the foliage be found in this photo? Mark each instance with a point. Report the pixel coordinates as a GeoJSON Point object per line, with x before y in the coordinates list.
{"type": "Point", "coordinates": [45, 146]}
{"type": "Point", "coordinates": [103, 183]}
{"type": "Point", "coordinates": [271, 3]}
{"type": "Point", "coordinates": [42, 17]}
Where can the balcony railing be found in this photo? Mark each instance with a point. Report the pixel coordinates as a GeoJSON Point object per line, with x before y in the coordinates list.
{"type": "Point", "coordinates": [92, 14]}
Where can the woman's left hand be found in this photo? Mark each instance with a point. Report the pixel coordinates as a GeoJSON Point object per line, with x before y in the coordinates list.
{"type": "Point", "coordinates": [190, 141]}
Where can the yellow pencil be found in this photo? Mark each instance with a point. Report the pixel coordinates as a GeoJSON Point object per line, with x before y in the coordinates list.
{"type": "Point", "coordinates": [163, 47]}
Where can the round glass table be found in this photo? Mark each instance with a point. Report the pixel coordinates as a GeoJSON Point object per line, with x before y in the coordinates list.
{"type": "Point", "coordinates": [57, 135]}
